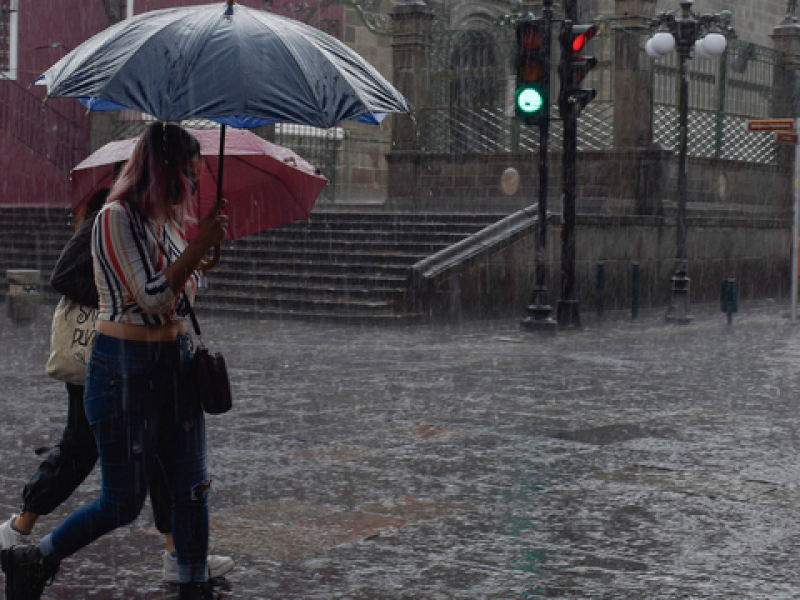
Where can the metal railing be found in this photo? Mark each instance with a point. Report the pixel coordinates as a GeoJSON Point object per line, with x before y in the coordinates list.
{"type": "Point", "coordinates": [40, 127]}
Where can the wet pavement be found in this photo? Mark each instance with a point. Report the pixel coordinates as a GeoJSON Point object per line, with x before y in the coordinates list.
{"type": "Point", "coordinates": [630, 460]}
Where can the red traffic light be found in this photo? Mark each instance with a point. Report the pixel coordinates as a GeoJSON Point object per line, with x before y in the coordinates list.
{"type": "Point", "coordinates": [581, 36]}
{"type": "Point", "coordinates": [573, 68]}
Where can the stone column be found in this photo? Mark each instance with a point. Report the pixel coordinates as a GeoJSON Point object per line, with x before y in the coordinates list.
{"type": "Point", "coordinates": [786, 38]}
{"type": "Point", "coordinates": [411, 22]}
{"type": "Point", "coordinates": [633, 111]}
{"type": "Point", "coordinates": [633, 75]}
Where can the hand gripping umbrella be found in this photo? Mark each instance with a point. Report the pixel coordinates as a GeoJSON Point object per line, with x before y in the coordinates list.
{"type": "Point", "coordinates": [232, 64]}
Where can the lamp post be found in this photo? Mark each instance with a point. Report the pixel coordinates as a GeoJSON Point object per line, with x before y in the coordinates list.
{"type": "Point", "coordinates": [688, 33]}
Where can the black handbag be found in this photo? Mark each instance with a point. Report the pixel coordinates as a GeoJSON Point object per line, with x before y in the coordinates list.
{"type": "Point", "coordinates": [206, 377]}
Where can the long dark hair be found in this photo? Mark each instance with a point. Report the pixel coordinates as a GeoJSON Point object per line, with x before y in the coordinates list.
{"type": "Point", "coordinates": [157, 176]}
{"type": "Point", "coordinates": [94, 204]}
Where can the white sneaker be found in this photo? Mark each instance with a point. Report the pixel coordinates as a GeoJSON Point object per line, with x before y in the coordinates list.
{"type": "Point", "coordinates": [217, 567]}
{"type": "Point", "coordinates": [9, 537]}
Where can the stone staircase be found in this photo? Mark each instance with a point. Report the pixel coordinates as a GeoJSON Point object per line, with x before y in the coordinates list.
{"type": "Point", "coordinates": [340, 265]}
{"type": "Point", "coordinates": [32, 238]}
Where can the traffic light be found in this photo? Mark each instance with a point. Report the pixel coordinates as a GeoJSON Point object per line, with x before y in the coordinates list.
{"type": "Point", "coordinates": [532, 94]}
{"type": "Point", "coordinates": [574, 68]}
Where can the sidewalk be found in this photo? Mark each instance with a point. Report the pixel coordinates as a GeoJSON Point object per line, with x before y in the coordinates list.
{"type": "Point", "coordinates": [626, 461]}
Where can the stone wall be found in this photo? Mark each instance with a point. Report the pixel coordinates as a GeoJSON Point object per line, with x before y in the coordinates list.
{"type": "Point", "coordinates": [616, 182]}
{"type": "Point", "coordinates": [756, 252]}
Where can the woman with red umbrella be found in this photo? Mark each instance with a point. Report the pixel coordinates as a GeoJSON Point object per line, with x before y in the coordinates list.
{"type": "Point", "coordinates": [141, 420]}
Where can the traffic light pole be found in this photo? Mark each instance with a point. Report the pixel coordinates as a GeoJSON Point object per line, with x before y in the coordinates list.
{"type": "Point", "coordinates": [539, 310]}
{"type": "Point", "coordinates": [568, 311]}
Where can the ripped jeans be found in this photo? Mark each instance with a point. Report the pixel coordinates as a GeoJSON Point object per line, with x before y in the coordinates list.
{"type": "Point", "coordinates": [141, 423]}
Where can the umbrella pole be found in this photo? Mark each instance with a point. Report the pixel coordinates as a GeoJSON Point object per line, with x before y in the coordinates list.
{"type": "Point", "coordinates": [207, 265]}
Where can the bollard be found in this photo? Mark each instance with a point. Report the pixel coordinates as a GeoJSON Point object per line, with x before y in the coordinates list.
{"type": "Point", "coordinates": [729, 298]}
{"type": "Point", "coordinates": [635, 291]}
{"type": "Point", "coordinates": [601, 289]}
{"type": "Point", "coordinates": [23, 294]}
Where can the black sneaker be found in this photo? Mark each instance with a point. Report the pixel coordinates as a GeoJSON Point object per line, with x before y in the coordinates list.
{"type": "Point", "coordinates": [27, 572]}
{"type": "Point", "coordinates": [197, 590]}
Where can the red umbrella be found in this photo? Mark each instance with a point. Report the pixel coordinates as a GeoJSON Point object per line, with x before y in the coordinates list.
{"type": "Point", "coordinates": [266, 185]}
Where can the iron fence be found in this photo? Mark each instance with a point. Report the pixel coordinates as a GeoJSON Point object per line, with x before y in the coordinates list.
{"type": "Point", "coordinates": [52, 135]}
{"type": "Point", "coordinates": [724, 94]}
{"type": "Point", "coordinates": [470, 107]}
{"type": "Point", "coordinates": [472, 79]}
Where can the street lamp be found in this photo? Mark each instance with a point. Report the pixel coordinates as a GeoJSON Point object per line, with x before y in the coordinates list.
{"type": "Point", "coordinates": [687, 33]}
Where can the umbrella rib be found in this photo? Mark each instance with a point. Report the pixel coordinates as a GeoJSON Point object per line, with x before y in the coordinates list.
{"type": "Point", "coordinates": [307, 74]}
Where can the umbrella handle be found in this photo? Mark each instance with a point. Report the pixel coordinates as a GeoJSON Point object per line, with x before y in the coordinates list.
{"type": "Point", "coordinates": [207, 265]}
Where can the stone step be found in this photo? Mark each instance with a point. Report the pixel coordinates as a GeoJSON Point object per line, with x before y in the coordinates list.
{"type": "Point", "coordinates": [332, 293]}
{"type": "Point", "coordinates": [280, 236]}
{"type": "Point", "coordinates": [339, 215]}
{"type": "Point", "coordinates": [295, 301]}
{"type": "Point", "coordinates": [386, 224]}
{"type": "Point", "coordinates": [337, 247]}
{"type": "Point", "coordinates": [263, 258]}
{"type": "Point", "coordinates": [340, 265]}
{"type": "Point", "coordinates": [388, 318]}
{"type": "Point", "coordinates": [320, 278]}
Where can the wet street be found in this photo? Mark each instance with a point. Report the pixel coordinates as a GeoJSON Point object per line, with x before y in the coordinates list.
{"type": "Point", "coordinates": [630, 460]}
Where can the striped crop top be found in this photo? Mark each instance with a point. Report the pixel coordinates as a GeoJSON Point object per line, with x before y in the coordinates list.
{"type": "Point", "coordinates": [129, 266]}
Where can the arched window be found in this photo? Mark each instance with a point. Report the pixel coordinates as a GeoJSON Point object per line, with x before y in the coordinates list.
{"type": "Point", "coordinates": [473, 63]}
{"type": "Point", "coordinates": [476, 81]}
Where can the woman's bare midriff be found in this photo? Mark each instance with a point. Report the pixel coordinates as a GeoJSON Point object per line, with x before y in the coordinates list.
{"type": "Point", "coordinates": [142, 333]}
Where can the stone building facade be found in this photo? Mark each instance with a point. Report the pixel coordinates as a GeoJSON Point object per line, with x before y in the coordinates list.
{"type": "Point", "coordinates": [739, 206]}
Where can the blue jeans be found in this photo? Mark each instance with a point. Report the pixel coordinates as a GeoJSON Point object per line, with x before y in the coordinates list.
{"type": "Point", "coordinates": [142, 423]}
{"type": "Point", "coordinates": [69, 463]}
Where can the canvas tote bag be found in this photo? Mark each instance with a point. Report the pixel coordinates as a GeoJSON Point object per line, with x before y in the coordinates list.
{"type": "Point", "coordinates": [71, 340]}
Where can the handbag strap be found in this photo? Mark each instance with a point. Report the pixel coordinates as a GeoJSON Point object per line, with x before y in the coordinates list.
{"type": "Point", "coordinates": [189, 308]}
{"type": "Point", "coordinates": [193, 318]}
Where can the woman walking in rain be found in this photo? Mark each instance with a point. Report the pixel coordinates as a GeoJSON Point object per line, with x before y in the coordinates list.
{"type": "Point", "coordinates": [142, 422]}
{"type": "Point", "coordinates": [69, 463]}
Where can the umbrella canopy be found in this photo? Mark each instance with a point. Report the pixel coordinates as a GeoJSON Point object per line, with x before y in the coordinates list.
{"type": "Point", "coordinates": [266, 185]}
{"type": "Point", "coordinates": [236, 65]}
